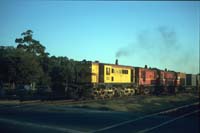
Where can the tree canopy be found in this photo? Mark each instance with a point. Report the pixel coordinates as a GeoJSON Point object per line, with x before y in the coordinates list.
{"type": "Point", "coordinates": [29, 63]}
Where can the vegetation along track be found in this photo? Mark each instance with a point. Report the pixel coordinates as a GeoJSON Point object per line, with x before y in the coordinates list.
{"type": "Point", "coordinates": [84, 101]}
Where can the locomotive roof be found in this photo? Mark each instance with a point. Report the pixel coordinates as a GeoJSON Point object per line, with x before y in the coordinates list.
{"type": "Point", "coordinates": [97, 62]}
{"type": "Point", "coordinates": [116, 65]}
{"type": "Point", "coordinates": [156, 69]}
{"type": "Point", "coordinates": [113, 64]}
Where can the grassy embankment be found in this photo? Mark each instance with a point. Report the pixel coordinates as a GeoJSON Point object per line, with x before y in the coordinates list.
{"type": "Point", "coordinates": [136, 104]}
{"type": "Point", "coordinates": [142, 104]}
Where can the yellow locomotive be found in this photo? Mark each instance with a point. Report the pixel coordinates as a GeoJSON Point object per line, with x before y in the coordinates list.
{"type": "Point", "coordinates": [107, 80]}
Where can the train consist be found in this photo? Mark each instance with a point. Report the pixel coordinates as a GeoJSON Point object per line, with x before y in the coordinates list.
{"type": "Point", "coordinates": [114, 80]}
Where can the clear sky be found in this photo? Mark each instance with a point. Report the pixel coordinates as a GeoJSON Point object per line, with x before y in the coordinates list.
{"type": "Point", "coordinates": [159, 34]}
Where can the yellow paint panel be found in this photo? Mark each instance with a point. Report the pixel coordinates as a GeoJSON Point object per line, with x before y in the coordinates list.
{"type": "Point", "coordinates": [95, 73]}
{"type": "Point", "coordinates": [115, 74]}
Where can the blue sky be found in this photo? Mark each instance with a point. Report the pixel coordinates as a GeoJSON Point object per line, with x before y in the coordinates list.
{"type": "Point", "coordinates": [159, 34]}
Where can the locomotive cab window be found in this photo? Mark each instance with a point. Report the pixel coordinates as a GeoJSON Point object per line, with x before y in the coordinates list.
{"type": "Point", "coordinates": [112, 79]}
{"type": "Point", "coordinates": [124, 71]}
{"type": "Point", "coordinates": [107, 71]}
{"type": "Point", "coordinates": [113, 71]}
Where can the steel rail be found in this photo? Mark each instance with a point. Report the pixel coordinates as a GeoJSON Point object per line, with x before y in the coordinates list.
{"type": "Point", "coordinates": [168, 122]}
{"type": "Point", "coordinates": [36, 125]}
{"type": "Point", "coordinates": [143, 117]}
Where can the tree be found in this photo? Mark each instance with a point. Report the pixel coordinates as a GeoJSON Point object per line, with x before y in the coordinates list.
{"type": "Point", "coordinates": [18, 66]}
{"type": "Point", "coordinates": [28, 44]}
{"type": "Point", "coordinates": [30, 63]}
{"type": "Point", "coordinates": [59, 74]}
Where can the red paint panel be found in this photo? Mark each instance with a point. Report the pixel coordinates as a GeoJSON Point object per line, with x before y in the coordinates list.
{"type": "Point", "coordinates": [170, 78]}
{"type": "Point", "coordinates": [147, 76]}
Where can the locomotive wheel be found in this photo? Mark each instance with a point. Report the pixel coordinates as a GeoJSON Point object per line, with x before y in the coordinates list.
{"type": "Point", "coordinates": [116, 92]}
{"type": "Point", "coordinates": [95, 94]}
{"type": "Point", "coordinates": [112, 93]}
{"type": "Point", "coordinates": [102, 94]}
{"type": "Point", "coordinates": [109, 93]}
{"type": "Point", "coordinates": [119, 92]}
{"type": "Point", "coordinates": [126, 92]}
{"type": "Point", "coordinates": [133, 92]}
{"type": "Point", "coordinates": [122, 92]}
{"type": "Point", "coordinates": [146, 91]}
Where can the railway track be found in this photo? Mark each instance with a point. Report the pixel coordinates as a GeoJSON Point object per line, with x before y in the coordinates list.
{"type": "Point", "coordinates": [151, 122]}
{"type": "Point", "coordinates": [143, 124]}
{"type": "Point", "coordinates": [169, 121]}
